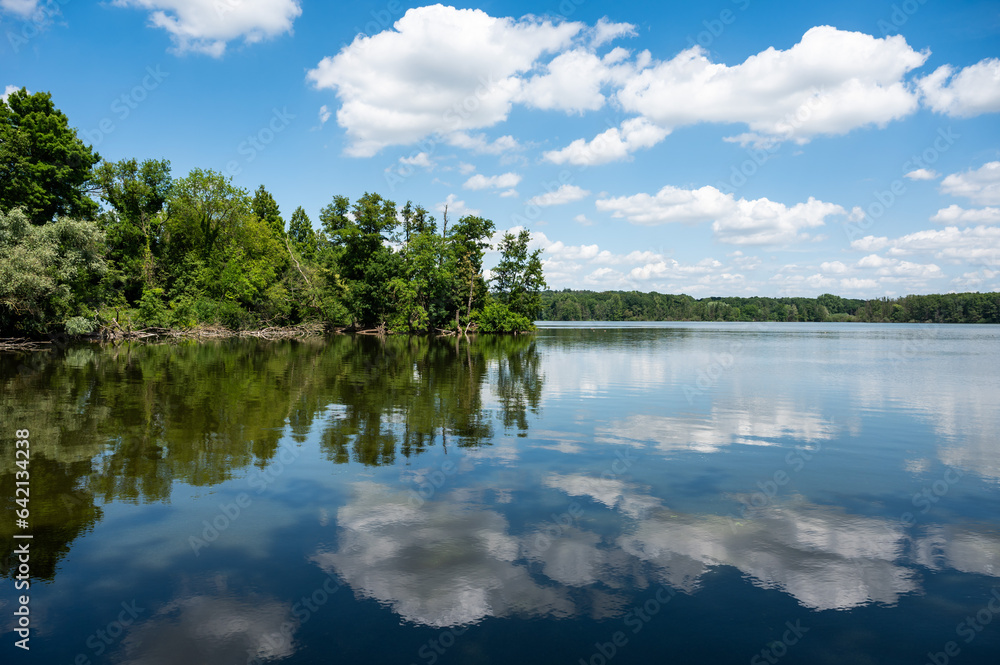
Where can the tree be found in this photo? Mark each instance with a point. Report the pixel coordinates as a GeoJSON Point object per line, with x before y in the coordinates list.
{"type": "Point", "coordinates": [218, 246]}
{"type": "Point", "coordinates": [302, 234]}
{"type": "Point", "coordinates": [266, 209]}
{"type": "Point", "coordinates": [48, 274]}
{"type": "Point", "coordinates": [518, 279]}
{"type": "Point", "coordinates": [136, 193]}
{"type": "Point", "coordinates": [44, 166]}
{"type": "Point", "coordinates": [470, 239]}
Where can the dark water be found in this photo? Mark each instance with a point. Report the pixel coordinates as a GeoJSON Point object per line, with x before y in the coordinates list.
{"type": "Point", "coordinates": [675, 493]}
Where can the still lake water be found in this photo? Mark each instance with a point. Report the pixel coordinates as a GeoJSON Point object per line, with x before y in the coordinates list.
{"type": "Point", "coordinates": [626, 493]}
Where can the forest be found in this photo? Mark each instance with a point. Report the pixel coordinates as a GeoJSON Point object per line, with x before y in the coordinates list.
{"type": "Point", "coordinates": [90, 246]}
{"type": "Point", "coordinates": [570, 305]}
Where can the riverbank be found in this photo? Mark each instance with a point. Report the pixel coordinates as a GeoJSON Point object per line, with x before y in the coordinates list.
{"type": "Point", "coordinates": [303, 330]}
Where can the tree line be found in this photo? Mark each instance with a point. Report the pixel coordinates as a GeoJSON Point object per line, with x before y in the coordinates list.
{"type": "Point", "coordinates": [88, 244]}
{"type": "Point", "coordinates": [569, 305]}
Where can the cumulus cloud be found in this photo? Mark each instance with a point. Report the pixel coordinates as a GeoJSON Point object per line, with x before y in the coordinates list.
{"type": "Point", "coordinates": [207, 27]}
{"type": "Point", "coordinates": [8, 91]}
{"type": "Point", "coordinates": [573, 81]}
{"type": "Point", "coordinates": [421, 159]}
{"type": "Point", "coordinates": [565, 194]}
{"type": "Point", "coordinates": [980, 185]}
{"type": "Point", "coordinates": [889, 267]}
{"type": "Point", "coordinates": [954, 214]}
{"type": "Point", "coordinates": [482, 145]}
{"type": "Point", "coordinates": [455, 207]}
{"type": "Point", "coordinates": [615, 144]}
{"type": "Point", "coordinates": [606, 31]}
{"type": "Point", "coordinates": [829, 83]}
{"type": "Point", "coordinates": [426, 76]}
{"type": "Point", "coordinates": [952, 244]}
{"type": "Point", "coordinates": [870, 243]}
{"type": "Point", "coordinates": [971, 91]}
{"type": "Point", "coordinates": [324, 114]}
{"type": "Point", "coordinates": [503, 181]}
{"type": "Point", "coordinates": [22, 8]}
{"type": "Point", "coordinates": [923, 174]}
{"type": "Point", "coordinates": [744, 222]}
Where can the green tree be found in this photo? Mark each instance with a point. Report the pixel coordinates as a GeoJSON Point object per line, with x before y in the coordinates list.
{"type": "Point", "coordinates": [266, 209]}
{"type": "Point", "coordinates": [136, 193]}
{"type": "Point", "coordinates": [470, 239]}
{"type": "Point", "coordinates": [48, 274]}
{"type": "Point", "coordinates": [302, 234]}
{"type": "Point", "coordinates": [518, 279]}
{"type": "Point", "coordinates": [44, 166]}
{"type": "Point", "coordinates": [220, 248]}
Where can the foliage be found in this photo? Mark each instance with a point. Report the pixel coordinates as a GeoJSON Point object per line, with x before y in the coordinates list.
{"type": "Point", "coordinates": [49, 273]}
{"type": "Point", "coordinates": [137, 194]}
{"type": "Point", "coordinates": [518, 278]}
{"type": "Point", "coordinates": [497, 317]}
{"type": "Point", "coordinates": [570, 305]}
{"type": "Point", "coordinates": [197, 250]}
{"type": "Point", "coordinates": [44, 166]}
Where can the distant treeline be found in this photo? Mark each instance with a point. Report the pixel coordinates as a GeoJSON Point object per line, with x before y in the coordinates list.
{"type": "Point", "coordinates": [570, 305]}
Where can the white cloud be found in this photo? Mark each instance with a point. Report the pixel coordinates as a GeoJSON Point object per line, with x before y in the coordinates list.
{"type": "Point", "coordinates": [426, 76]}
{"type": "Point", "coordinates": [573, 81]}
{"type": "Point", "coordinates": [7, 92]}
{"type": "Point", "coordinates": [22, 8]}
{"type": "Point", "coordinates": [466, 169]}
{"type": "Point", "coordinates": [606, 31]}
{"type": "Point", "coordinates": [891, 267]}
{"type": "Point", "coordinates": [870, 244]}
{"type": "Point", "coordinates": [565, 194]}
{"type": "Point", "coordinates": [952, 244]}
{"type": "Point", "coordinates": [612, 145]}
{"type": "Point", "coordinates": [482, 145]}
{"type": "Point", "coordinates": [503, 181]}
{"type": "Point", "coordinates": [421, 159]}
{"type": "Point", "coordinates": [670, 204]}
{"type": "Point", "coordinates": [923, 174]}
{"type": "Point", "coordinates": [508, 193]}
{"type": "Point", "coordinates": [743, 222]}
{"type": "Point", "coordinates": [207, 27]}
{"type": "Point", "coordinates": [954, 214]}
{"type": "Point", "coordinates": [981, 185]}
{"type": "Point", "coordinates": [874, 261]}
{"type": "Point", "coordinates": [858, 284]}
{"type": "Point", "coordinates": [973, 90]}
{"type": "Point", "coordinates": [324, 114]}
{"type": "Point", "coordinates": [835, 267]}
{"type": "Point", "coordinates": [582, 219]}
{"type": "Point", "coordinates": [829, 83]}
{"type": "Point", "coordinates": [456, 208]}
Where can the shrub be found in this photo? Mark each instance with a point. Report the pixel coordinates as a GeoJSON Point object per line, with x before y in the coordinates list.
{"type": "Point", "coordinates": [497, 318]}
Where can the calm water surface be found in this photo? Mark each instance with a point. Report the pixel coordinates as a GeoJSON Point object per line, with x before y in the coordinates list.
{"type": "Point", "coordinates": [627, 493]}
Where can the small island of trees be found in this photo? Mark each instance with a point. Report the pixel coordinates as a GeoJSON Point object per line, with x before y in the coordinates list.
{"type": "Point", "coordinates": [90, 246]}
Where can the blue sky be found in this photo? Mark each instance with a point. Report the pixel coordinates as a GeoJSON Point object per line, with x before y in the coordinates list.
{"type": "Point", "coordinates": [735, 147]}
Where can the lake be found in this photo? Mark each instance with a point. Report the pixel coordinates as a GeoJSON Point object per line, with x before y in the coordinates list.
{"type": "Point", "coordinates": [592, 493]}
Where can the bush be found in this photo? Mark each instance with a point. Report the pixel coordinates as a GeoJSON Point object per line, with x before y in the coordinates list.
{"type": "Point", "coordinates": [497, 318]}
{"type": "Point", "coordinates": [152, 311]}
{"type": "Point", "coordinates": [79, 325]}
